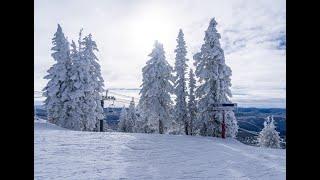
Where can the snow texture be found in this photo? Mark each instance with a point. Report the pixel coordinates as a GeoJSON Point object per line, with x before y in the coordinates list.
{"type": "Point", "coordinates": [66, 154]}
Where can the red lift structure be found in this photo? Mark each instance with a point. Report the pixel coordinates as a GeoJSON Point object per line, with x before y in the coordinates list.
{"type": "Point", "coordinates": [224, 107]}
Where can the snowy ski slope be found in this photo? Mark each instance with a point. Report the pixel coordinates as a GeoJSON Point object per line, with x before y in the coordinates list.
{"type": "Point", "coordinates": [65, 154]}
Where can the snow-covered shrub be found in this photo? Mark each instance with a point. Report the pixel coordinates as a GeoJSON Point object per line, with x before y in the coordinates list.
{"type": "Point", "coordinates": [122, 127]}
{"type": "Point", "coordinates": [269, 137]}
{"type": "Point", "coordinates": [131, 117]}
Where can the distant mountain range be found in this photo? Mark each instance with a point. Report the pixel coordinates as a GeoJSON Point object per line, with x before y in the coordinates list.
{"type": "Point", "coordinates": [252, 118]}
{"type": "Point", "coordinates": [250, 121]}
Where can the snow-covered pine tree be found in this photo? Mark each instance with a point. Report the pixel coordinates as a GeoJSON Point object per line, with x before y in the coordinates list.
{"type": "Point", "coordinates": [214, 79]}
{"type": "Point", "coordinates": [155, 102]}
{"type": "Point", "coordinates": [57, 76]}
{"type": "Point", "coordinates": [141, 124]}
{"type": "Point", "coordinates": [181, 114]}
{"type": "Point", "coordinates": [122, 125]}
{"type": "Point", "coordinates": [92, 82]}
{"type": "Point", "coordinates": [132, 116]}
{"type": "Point", "coordinates": [192, 106]}
{"type": "Point", "coordinates": [75, 93]}
{"type": "Point", "coordinates": [231, 124]}
{"type": "Point", "coordinates": [269, 137]}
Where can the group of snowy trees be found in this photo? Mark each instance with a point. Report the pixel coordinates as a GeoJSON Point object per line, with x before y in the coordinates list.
{"type": "Point", "coordinates": [73, 92]}
{"type": "Point", "coordinates": [128, 118]}
{"type": "Point", "coordinates": [197, 116]}
{"type": "Point", "coordinates": [75, 83]}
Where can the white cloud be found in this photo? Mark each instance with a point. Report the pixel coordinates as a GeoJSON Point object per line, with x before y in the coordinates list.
{"type": "Point", "coordinates": [251, 32]}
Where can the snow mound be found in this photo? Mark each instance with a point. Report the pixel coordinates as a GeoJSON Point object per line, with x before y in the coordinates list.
{"type": "Point", "coordinates": [62, 154]}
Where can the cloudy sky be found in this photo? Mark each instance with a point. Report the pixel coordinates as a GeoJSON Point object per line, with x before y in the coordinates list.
{"type": "Point", "coordinates": [252, 36]}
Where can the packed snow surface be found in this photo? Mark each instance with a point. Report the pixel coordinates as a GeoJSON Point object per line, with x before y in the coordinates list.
{"type": "Point", "coordinates": [65, 154]}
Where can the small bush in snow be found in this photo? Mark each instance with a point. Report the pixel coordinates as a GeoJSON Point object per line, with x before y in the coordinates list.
{"type": "Point", "coordinates": [269, 137]}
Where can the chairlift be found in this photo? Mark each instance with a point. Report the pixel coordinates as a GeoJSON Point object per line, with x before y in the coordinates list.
{"type": "Point", "coordinates": [112, 106]}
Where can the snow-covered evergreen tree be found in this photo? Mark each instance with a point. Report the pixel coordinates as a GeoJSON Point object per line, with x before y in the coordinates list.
{"type": "Point", "coordinates": [192, 106]}
{"type": "Point", "coordinates": [231, 124]}
{"type": "Point", "coordinates": [75, 93]}
{"type": "Point", "coordinates": [155, 102]}
{"type": "Point", "coordinates": [54, 91]}
{"type": "Point", "coordinates": [79, 75]}
{"type": "Point", "coordinates": [214, 79]}
{"type": "Point", "coordinates": [92, 84]}
{"type": "Point", "coordinates": [141, 123]}
{"type": "Point", "coordinates": [72, 94]}
{"type": "Point", "coordinates": [269, 137]}
{"type": "Point", "coordinates": [122, 125]}
{"type": "Point", "coordinates": [132, 117]}
{"type": "Point", "coordinates": [181, 114]}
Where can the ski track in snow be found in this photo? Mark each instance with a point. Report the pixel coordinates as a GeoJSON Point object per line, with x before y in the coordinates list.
{"type": "Point", "coordinates": [65, 154]}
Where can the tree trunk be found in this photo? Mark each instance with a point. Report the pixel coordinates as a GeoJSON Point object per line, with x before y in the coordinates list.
{"type": "Point", "coordinates": [186, 128]}
{"type": "Point", "coordinates": [191, 127]}
{"type": "Point", "coordinates": [160, 127]}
